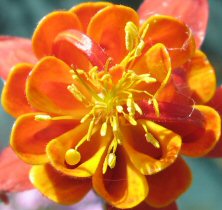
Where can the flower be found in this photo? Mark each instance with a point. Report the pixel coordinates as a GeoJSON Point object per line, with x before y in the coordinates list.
{"type": "Point", "coordinates": [104, 106]}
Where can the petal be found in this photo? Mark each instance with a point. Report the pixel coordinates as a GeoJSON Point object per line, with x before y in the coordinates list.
{"type": "Point", "coordinates": [147, 158]}
{"type": "Point", "coordinates": [156, 61]}
{"type": "Point", "coordinates": [13, 94]}
{"type": "Point", "coordinates": [169, 184]}
{"type": "Point", "coordinates": [90, 151]}
{"type": "Point", "coordinates": [145, 206]}
{"type": "Point", "coordinates": [14, 50]}
{"type": "Point", "coordinates": [123, 186]}
{"type": "Point", "coordinates": [209, 137]}
{"type": "Point", "coordinates": [184, 120]}
{"type": "Point", "coordinates": [216, 101]}
{"type": "Point", "coordinates": [107, 28]}
{"type": "Point", "coordinates": [174, 34]}
{"type": "Point", "coordinates": [85, 11]}
{"type": "Point", "coordinates": [29, 137]}
{"type": "Point", "coordinates": [58, 187]}
{"type": "Point", "coordinates": [47, 89]}
{"type": "Point", "coordinates": [78, 50]}
{"type": "Point", "coordinates": [49, 27]}
{"type": "Point", "coordinates": [198, 70]}
{"type": "Point", "coordinates": [193, 13]}
{"type": "Point", "coordinates": [14, 176]}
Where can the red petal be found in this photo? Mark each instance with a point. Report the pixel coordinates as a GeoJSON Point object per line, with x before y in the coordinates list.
{"type": "Point", "coordinates": [169, 184]}
{"type": "Point", "coordinates": [204, 142]}
{"type": "Point", "coordinates": [14, 50]}
{"type": "Point", "coordinates": [193, 13]}
{"type": "Point", "coordinates": [77, 49]}
{"type": "Point", "coordinates": [182, 119]}
{"type": "Point", "coordinates": [216, 103]}
{"type": "Point", "coordinates": [14, 176]}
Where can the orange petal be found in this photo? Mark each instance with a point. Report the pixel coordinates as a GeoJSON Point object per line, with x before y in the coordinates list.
{"type": "Point", "coordinates": [145, 206]}
{"type": "Point", "coordinates": [29, 137]}
{"type": "Point", "coordinates": [90, 151]}
{"type": "Point", "coordinates": [78, 50]}
{"type": "Point", "coordinates": [58, 187]}
{"type": "Point", "coordinates": [198, 70]}
{"type": "Point", "coordinates": [206, 141]}
{"type": "Point", "coordinates": [14, 176]}
{"type": "Point", "coordinates": [146, 158]}
{"type": "Point", "coordinates": [86, 11]}
{"type": "Point", "coordinates": [47, 89]}
{"type": "Point", "coordinates": [193, 13]}
{"type": "Point", "coordinates": [14, 50]}
{"type": "Point", "coordinates": [169, 184]}
{"type": "Point", "coordinates": [123, 186]}
{"type": "Point", "coordinates": [13, 95]}
{"type": "Point", "coordinates": [174, 34]}
{"type": "Point", "coordinates": [156, 61]}
{"type": "Point", "coordinates": [107, 28]}
{"type": "Point", "coordinates": [49, 27]}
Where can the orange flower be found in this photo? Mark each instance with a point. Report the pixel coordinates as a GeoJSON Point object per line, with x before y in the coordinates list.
{"type": "Point", "coordinates": [101, 108]}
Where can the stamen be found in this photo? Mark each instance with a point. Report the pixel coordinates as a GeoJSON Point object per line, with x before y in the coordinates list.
{"type": "Point", "coordinates": [111, 160]}
{"type": "Point", "coordinates": [149, 137]}
{"type": "Point", "coordinates": [103, 129]}
{"type": "Point", "coordinates": [72, 157]}
{"type": "Point", "coordinates": [42, 117]}
{"type": "Point", "coordinates": [91, 125]}
{"type": "Point", "coordinates": [131, 35]}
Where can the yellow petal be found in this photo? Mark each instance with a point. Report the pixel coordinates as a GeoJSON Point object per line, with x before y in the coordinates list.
{"type": "Point", "coordinates": [146, 158]}
{"type": "Point", "coordinates": [58, 187]}
{"type": "Point", "coordinates": [123, 186]}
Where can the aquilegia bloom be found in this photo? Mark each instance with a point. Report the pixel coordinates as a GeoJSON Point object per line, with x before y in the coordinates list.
{"type": "Point", "coordinates": [111, 105]}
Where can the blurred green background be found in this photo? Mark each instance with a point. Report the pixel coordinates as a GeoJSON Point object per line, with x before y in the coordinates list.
{"type": "Point", "coordinates": [19, 18]}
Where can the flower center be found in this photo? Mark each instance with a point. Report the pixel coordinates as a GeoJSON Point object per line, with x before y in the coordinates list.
{"type": "Point", "coordinates": [111, 102]}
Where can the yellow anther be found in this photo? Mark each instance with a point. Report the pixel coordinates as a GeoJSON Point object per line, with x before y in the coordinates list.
{"type": "Point", "coordinates": [91, 125]}
{"type": "Point", "coordinates": [139, 48]}
{"type": "Point", "coordinates": [156, 107]}
{"type": "Point", "coordinates": [119, 108]}
{"type": "Point", "coordinates": [151, 139]}
{"type": "Point", "coordinates": [76, 93]}
{"type": "Point", "coordinates": [131, 28]}
{"type": "Point", "coordinates": [115, 123]}
{"type": "Point", "coordinates": [103, 129]}
{"type": "Point", "coordinates": [72, 157]}
{"type": "Point", "coordinates": [131, 119]}
{"type": "Point", "coordinates": [42, 117]}
{"type": "Point", "coordinates": [111, 160]}
{"type": "Point", "coordinates": [138, 109]}
{"type": "Point", "coordinates": [105, 165]}
{"type": "Point", "coordinates": [131, 35]}
{"type": "Point", "coordinates": [106, 77]}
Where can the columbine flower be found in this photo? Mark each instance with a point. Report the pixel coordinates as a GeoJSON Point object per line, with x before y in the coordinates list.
{"type": "Point", "coordinates": [104, 107]}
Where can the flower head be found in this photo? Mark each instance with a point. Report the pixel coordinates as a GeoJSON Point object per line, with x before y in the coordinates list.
{"type": "Point", "coordinates": [102, 108]}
